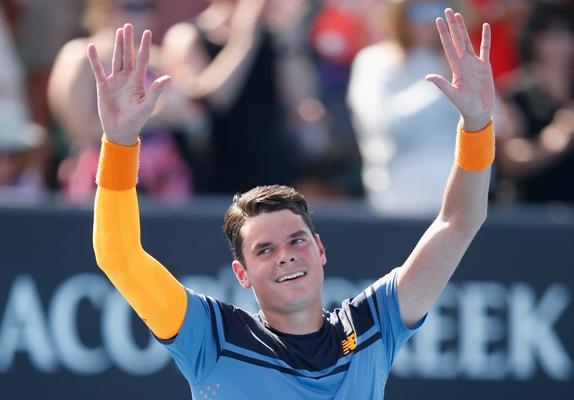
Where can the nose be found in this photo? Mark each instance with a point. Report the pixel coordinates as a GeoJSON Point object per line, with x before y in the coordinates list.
{"type": "Point", "coordinates": [287, 258]}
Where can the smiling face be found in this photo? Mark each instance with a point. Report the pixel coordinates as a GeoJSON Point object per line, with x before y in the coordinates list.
{"type": "Point", "coordinates": [282, 261]}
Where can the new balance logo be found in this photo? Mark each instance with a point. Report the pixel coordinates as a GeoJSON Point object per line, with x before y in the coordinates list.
{"type": "Point", "coordinates": [350, 343]}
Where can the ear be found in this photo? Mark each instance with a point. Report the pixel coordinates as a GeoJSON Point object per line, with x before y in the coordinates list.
{"type": "Point", "coordinates": [241, 274]}
{"type": "Point", "coordinates": [322, 251]}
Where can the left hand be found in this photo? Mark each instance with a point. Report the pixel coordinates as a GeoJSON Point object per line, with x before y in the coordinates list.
{"type": "Point", "coordinates": [472, 88]}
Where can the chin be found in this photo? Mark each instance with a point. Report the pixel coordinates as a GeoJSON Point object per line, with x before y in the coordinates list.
{"type": "Point", "coordinates": [300, 302]}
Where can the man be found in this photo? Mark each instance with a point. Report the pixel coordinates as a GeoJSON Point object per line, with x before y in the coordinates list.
{"type": "Point", "coordinates": [291, 349]}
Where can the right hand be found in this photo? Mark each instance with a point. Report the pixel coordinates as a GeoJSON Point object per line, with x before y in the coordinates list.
{"type": "Point", "coordinates": [563, 124]}
{"type": "Point", "coordinates": [564, 119]}
{"type": "Point", "coordinates": [246, 18]}
{"type": "Point", "coordinates": [124, 104]}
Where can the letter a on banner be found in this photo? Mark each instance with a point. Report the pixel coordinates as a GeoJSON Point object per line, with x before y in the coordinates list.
{"type": "Point", "coordinates": [23, 328]}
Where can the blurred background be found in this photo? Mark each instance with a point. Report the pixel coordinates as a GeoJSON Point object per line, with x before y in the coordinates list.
{"type": "Point", "coordinates": [328, 96]}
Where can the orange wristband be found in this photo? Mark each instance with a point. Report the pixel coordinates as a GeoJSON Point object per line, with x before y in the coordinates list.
{"type": "Point", "coordinates": [118, 166]}
{"type": "Point", "coordinates": [475, 150]}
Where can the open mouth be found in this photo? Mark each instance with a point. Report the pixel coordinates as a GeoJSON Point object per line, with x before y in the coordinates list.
{"type": "Point", "coordinates": [291, 277]}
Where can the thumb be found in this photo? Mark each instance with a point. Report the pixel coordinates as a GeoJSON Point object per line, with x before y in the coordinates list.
{"type": "Point", "coordinates": [442, 84]}
{"type": "Point", "coordinates": [155, 90]}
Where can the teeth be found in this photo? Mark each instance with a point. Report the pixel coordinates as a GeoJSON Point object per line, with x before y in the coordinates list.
{"type": "Point", "coordinates": [290, 276]}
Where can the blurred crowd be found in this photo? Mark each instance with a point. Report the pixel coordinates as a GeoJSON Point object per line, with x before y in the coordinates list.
{"type": "Point", "coordinates": [326, 95]}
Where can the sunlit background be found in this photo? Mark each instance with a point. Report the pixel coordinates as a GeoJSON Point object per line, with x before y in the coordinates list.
{"type": "Point", "coordinates": [328, 96]}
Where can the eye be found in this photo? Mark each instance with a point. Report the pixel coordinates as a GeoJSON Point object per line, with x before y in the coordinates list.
{"type": "Point", "coordinates": [297, 241]}
{"type": "Point", "coordinates": [263, 251]}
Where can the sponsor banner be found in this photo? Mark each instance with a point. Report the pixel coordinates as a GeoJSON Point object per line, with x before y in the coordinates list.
{"type": "Point", "coordinates": [504, 326]}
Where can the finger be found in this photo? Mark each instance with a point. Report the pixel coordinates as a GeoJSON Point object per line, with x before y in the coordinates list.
{"type": "Point", "coordinates": [446, 41]}
{"type": "Point", "coordinates": [128, 58]}
{"type": "Point", "coordinates": [143, 56]}
{"type": "Point", "coordinates": [485, 43]}
{"type": "Point", "coordinates": [117, 58]}
{"type": "Point", "coordinates": [442, 84]}
{"type": "Point", "coordinates": [455, 33]}
{"type": "Point", "coordinates": [462, 28]}
{"type": "Point", "coordinates": [96, 64]}
{"type": "Point", "coordinates": [155, 90]}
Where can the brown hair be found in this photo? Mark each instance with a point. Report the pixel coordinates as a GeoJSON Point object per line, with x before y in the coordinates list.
{"type": "Point", "coordinates": [262, 199]}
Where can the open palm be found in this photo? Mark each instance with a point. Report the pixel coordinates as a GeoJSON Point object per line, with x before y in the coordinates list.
{"type": "Point", "coordinates": [472, 88]}
{"type": "Point", "coordinates": [124, 105]}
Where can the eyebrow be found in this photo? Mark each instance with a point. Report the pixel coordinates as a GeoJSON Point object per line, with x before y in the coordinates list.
{"type": "Point", "coordinates": [298, 233]}
{"type": "Point", "coordinates": [262, 245]}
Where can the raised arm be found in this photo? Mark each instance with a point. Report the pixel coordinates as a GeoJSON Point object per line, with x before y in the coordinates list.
{"type": "Point", "coordinates": [220, 80]}
{"type": "Point", "coordinates": [427, 270]}
{"type": "Point", "coordinates": [124, 105]}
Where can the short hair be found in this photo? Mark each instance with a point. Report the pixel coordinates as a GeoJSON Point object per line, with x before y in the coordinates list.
{"type": "Point", "coordinates": [261, 199]}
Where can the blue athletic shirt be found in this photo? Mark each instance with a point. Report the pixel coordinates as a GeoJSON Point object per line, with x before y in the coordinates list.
{"type": "Point", "coordinates": [226, 353]}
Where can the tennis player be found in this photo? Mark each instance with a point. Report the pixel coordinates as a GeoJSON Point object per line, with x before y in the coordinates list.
{"type": "Point", "coordinates": [292, 348]}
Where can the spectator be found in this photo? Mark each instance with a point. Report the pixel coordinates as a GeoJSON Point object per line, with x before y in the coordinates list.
{"type": "Point", "coordinates": [20, 178]}
{"type": "Point", "coordinates": [404, 124]}
{"type": "Point", "coordinates": [338, 30]}
{"type": "Point", "coordinates": [18, 136]}
{"type": "Point", "coordinates": [506, 19]}
{"type": "Point", "coordinates": [43, 28]}
{"type": "Point", "coordinates": [166, 175]}
{"type": "Point", "coordinates": [245, 60]}
{"type": "Point", "coordinates": [537, 155]}
{"type": "Point", "coordinates": [343, 27]}
{"type": "Point", "coordinates": [175, 11]}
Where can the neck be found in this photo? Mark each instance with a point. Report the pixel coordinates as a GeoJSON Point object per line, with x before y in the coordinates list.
{"type": "Point", "coordinates": [300, 322]}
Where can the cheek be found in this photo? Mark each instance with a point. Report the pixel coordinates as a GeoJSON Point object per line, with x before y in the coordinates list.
{"type": "Point", "coordinates": [258, 272]}
{"type": "Point", "coordinates": [314, 249]}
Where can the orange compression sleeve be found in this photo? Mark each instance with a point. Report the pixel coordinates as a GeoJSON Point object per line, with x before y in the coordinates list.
{"type": "Point", "coordinates": [153, 292]}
